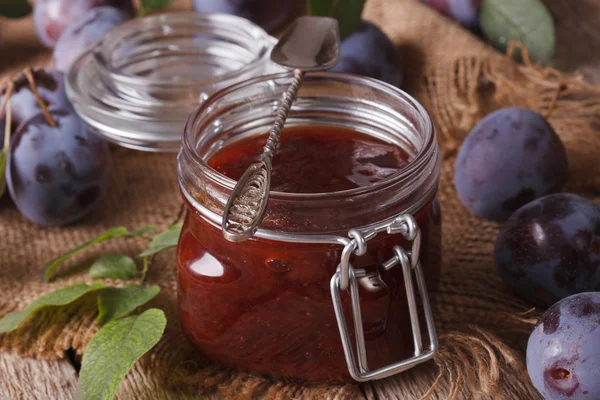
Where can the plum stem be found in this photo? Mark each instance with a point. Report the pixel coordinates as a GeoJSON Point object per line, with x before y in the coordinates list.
{"type": "Point", "coordinates": [7, 125]}
{"type": "Point", "coordinates": [514, 44]}
{"type": "Point", "coordinates": [561, 88]}
{"type": "Point", "coordinates": [524, 313]}
{"type": "Point", "coordinates": [4, 151]}
{"type": "Point", "coordinates": [29, 75]}
{"type": "Point", "coordinates": [9, 89]}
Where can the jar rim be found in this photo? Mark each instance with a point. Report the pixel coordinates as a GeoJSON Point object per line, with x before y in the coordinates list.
{"type": "Point", "coordinates": [237, 24]}
{"type": "Point", "coordinates": [421, 158]}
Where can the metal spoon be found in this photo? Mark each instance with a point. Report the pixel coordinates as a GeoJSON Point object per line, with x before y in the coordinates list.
{"type": "Point", "coordinates": [308, 44]}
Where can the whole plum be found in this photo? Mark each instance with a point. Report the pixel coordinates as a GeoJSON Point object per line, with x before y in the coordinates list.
{"type": "Point", "coordinates": [269, 14]}
{"type": "Point", "coordinates": [52, 17]}
{"type": "Point", "coordinates": [84, 33]}
{"type": "Point", "coordinates": [563, 352]}
{"type": "Point", "coordinates": [56, 175]}
{"type": "Point", "coordinates": [550, 248]}
{"type": "Point", "coordinates": [369, 52]}
{"type": "Point", "coordinates": [511, 157]}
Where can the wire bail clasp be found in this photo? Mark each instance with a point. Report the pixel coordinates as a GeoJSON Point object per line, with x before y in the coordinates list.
{"type": "Point", "coordinates": [346, 278]}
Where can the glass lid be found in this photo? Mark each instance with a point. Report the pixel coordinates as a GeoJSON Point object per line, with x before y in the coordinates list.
{"type": "Point", "coordinates": [139, 84]}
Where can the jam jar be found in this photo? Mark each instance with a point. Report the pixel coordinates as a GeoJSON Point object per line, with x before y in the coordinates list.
{"type": "Point", "coordinates": [332, 286]}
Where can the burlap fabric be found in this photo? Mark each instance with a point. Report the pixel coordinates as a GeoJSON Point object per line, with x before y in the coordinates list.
{"type": "Point", "coordinates": [483, 326]}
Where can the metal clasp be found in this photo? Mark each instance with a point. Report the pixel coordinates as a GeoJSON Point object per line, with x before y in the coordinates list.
{"type": "Point", "coordinates": [346, 278]}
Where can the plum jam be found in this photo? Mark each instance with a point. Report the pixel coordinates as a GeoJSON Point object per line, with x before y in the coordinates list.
{"type": "Point", "coordinates": [265, 305]}
{"type": "Point", "coordinates": [316, 159]}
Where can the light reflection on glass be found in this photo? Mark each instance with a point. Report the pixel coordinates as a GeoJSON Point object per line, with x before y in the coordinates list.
{"type": "Point", "coordinates": [207, 265]}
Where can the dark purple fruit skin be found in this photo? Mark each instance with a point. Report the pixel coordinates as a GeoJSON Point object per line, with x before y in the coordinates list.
{"type": "Point", "coordinates": [24, 105]}
{"type": "Point", "coordinates": [563, 352]}
{"type": "Point", "coordinates": [511, 157]}
{"type": "Point", "coordinates": [550, 249]}
{"type": "Point", "coordinates": [84, 33]}
{"type": "Point", "coordinates": [464, 11]}
{"type": "Point", "coordinates": [56, 175]}
{"type": "Point", "coordinates": [269, 14]}
{"type": "Point", "coordinates": [52, 17]}
{"type": "Point", "coordinates": [369, 52]}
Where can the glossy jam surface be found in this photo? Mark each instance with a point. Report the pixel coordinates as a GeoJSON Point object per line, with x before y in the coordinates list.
{"type": "Point", "coordinates": [265, 306]}
{"type": "Point", "coordinates": [316, 160]}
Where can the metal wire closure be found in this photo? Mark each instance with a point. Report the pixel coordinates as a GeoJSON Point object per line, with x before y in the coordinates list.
{"type": "Point", "coordinates": [346, 278]}
{"type": "Point", "coordinates": [247, 204]}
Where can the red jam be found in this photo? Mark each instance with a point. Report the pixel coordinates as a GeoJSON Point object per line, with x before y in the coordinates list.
{"type": "Point", "coordinates": [265, 306]}
{"type": "Point", "coordinates": [316, 160]}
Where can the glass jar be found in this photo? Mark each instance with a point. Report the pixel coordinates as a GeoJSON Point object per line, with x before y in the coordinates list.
{"type": "Point", "coordinates": [139, 83]}
{"type": "Point", "coordinates": [283, 303]}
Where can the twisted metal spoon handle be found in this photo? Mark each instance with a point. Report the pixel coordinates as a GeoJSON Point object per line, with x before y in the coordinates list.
{"type": "Point", "coordinates": [275, 133]}
{"type": "Point", "coordinates": [247, 204]}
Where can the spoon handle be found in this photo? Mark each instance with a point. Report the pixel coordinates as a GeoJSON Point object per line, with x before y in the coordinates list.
{"type": "Point", "coordinates": [282, 113]}
{"type": "Point", "coordinates": [247, 203]}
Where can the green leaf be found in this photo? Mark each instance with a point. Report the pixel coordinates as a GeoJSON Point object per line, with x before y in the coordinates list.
{"type": "Point", "coordinates": [112, 233]}
{"type": "Point", "coordinates": [527, 21]}
{"type": "Point", "coordinates": [321, 8]}
{"type": "Point", "coordinates": [163, 241]}
{"type": "Point", "coordinates": [142, 231]}
{"type": "Point", "coordinates": [61, 297]}
{"type": "Point", "coordinates": [113, 303]}
{"type": "Point", "coordinates": [114, 350]}
{"type": "Point", "coordinates": [148, 6]}
{"type": "Point", "coordinates": [109, 234]}
{"type": "Point", "coordinates": [2, 172]}
{"type": "Point", "coordinates": [347, 12]}
{"type": "Point", "coordinates": [15, 8]}
{"type": "Point", "coordinates": [113, 266]}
